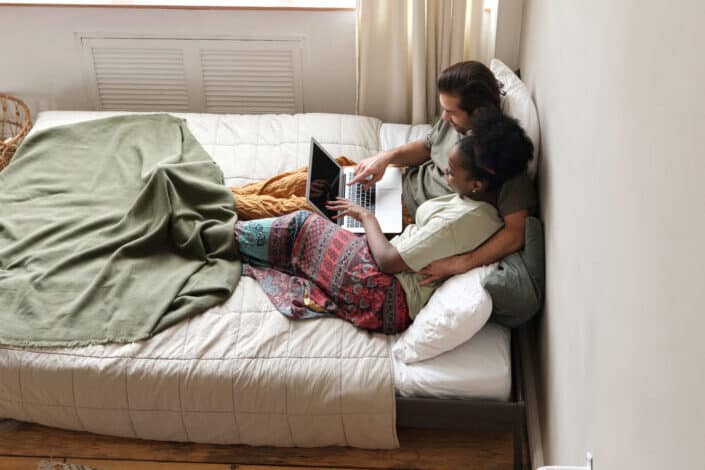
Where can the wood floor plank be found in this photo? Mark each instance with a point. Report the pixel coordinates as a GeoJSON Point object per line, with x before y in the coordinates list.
{"type": "Point", "coordinates": [146, 465]}
{"type": "Point", "coordinates": [22, 463]}
{"type": "Point", "coordinates": [421, 449]}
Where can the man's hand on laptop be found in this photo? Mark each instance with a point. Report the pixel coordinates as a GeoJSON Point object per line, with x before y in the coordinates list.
{"type": "Point", "coordinates": [369, 170]}
{"type": "Point", "coordinates": [345, 207]}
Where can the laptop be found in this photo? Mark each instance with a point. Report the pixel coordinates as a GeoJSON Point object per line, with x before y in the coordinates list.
{"type": "Point", "coordinates": [327, 180]}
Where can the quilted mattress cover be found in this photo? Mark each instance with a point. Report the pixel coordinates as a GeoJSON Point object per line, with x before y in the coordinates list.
{"type": "Point", "coordinates": [241, 372]}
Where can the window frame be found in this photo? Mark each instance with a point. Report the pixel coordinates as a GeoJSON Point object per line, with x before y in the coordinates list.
{"type": "Point", "coordinates": [314, 5]}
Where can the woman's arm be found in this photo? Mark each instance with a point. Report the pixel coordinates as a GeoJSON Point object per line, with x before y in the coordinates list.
{"type": "Point", "coordinates": [385, 254]}
{"type": "Point", "coordinates": [506, 241]}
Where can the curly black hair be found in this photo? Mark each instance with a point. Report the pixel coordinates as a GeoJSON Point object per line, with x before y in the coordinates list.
{"type": "Point", "coordinates": [473, 83]}
{"type": "Point", "coordinates": [497, 150]}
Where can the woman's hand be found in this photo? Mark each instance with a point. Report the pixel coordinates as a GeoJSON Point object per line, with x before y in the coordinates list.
{"type": "Point", "coordinates": [370, 170]}
{"type": "Point", "coordinates": [385, 254]}
{"type": "Point", "coordinates": [349, 208]}
{"type": "Point", "coordinates": [442, 269]}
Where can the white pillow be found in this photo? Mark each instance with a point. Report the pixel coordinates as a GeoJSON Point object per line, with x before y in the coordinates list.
{"type": "Point", "coordinates": [453, 314]}
{"type": "Point", "coordinates": [518, 104]}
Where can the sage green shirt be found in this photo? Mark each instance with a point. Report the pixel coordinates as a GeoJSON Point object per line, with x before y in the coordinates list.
{"type": "Point", "coordinates": [427, 181]}
{"type": "Point", "coordinates": [445, 226]}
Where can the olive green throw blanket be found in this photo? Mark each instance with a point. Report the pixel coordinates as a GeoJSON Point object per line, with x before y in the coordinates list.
{"type": "Point", "coordinates": [110, 231]}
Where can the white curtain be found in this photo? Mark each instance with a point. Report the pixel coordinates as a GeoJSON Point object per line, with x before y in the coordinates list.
{"type": "Point", "coordinates": [402, 45]}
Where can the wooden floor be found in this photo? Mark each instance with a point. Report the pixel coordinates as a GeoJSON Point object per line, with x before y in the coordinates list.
{"type": "Point", "coordinates": [23, 446]}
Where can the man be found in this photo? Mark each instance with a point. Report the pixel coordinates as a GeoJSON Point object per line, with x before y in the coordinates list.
{"type": "Point", "coordinates": [463, 88]}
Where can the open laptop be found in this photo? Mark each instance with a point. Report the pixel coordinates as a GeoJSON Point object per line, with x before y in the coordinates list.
{"type": "Point", "coordinates": [327, 180]}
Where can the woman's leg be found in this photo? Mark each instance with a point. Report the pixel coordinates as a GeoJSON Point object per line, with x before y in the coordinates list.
{"type": "Point", "coordinates": [307, 264]}
{"type": "Point", "coordinates": [345, 278]}
{"type": "Point", "coordinates": [269, 242]}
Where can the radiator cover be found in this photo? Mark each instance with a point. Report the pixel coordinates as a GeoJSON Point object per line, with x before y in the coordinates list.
{"type": "Point", "coordinates": [223, 75]}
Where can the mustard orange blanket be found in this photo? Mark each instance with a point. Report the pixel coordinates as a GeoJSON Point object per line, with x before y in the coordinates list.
{"type": "Point", "coordinates": [279, 195]}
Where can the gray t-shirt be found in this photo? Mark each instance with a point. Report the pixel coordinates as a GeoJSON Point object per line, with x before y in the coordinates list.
{"type": "Point", "coordinates": [427, 181]}
{"type": "Point", "coordinates": [445, 226]}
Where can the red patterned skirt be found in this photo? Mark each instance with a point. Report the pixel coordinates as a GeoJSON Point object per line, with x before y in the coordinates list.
{"type": "Point", "coordinates": [310, 267]}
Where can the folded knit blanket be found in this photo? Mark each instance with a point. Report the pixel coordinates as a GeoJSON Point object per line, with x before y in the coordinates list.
{"type": "Point", "coordinates": [279, 195]}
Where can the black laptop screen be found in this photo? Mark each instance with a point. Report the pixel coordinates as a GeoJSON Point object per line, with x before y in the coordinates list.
{"type": "Point", "coordinates": [325, 180]}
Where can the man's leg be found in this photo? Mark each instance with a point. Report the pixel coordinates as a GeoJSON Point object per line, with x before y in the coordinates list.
{"type": "Point", "coordinates": [250, 207]}
{"type": "Point", "coordinates": [278, 195]}
{"type": "Point", "coordinates": [282, 185]}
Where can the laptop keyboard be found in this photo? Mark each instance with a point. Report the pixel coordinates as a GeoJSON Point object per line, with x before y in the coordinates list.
{"type": "Point", "coordinates": [357, 194]}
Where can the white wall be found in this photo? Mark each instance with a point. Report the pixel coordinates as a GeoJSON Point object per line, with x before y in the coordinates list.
{"type": "Point", "coordinates": [41, 61]}
{"type": "Point", "coordinates": [508, 35]}
{"type": "Point", "coordinates": [618, 85]}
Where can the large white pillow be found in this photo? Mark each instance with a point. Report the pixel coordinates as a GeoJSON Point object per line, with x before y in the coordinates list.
{"type": "Point", "coordinates": [518, 104]}
{"type": "Point", "coordinates": [454, 313]}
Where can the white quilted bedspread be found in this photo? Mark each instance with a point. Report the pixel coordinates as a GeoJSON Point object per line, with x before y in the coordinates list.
{"type": "Point", "coordinates": [240, 372]}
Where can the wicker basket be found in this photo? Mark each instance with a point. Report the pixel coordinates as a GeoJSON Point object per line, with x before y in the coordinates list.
{"type": "Point", "coordinates": [15, 122]}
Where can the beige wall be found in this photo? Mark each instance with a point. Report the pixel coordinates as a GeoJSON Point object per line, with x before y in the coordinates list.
{"type": "Point", "coordinates": [41, 61]}
{"type": "Point", "coordinates": [619, 87]}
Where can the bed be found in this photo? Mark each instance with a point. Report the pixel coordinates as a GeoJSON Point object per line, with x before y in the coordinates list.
{"type": "Point", "coordinates": [178, 385]}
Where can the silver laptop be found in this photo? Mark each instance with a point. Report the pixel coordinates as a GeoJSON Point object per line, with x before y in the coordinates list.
{"type": "Point", "coordinates": [327, 180]}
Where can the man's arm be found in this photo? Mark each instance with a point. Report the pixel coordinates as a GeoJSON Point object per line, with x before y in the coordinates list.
{"type": "Point", "coordinates": [411, 154]}
{"type": "Point", "coordinates": [506, 241]}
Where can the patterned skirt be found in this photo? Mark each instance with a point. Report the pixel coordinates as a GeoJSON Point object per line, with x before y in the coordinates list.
{"type": "Point", "coordinates": [310, 267]}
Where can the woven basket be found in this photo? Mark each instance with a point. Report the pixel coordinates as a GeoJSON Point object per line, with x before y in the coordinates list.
{"type": "Point", "coordinates": [15, 122]}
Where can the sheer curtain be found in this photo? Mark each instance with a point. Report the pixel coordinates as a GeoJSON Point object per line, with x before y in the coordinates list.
{"type": "Point", "coordinates": [402, 45]}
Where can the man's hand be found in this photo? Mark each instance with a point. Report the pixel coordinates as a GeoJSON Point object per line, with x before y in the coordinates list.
{"type": "Point", "coordinates": [506, 241]}
{"type": "Point", "coordinates": [349, 208]}
{"type": "Point", "coordinates": [442, 269]}
{"type": "Point", "coordinates": [370, 170]}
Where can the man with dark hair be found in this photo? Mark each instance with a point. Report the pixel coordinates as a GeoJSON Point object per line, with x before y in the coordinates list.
{"type": "Point", "coordinates": [462, 88]}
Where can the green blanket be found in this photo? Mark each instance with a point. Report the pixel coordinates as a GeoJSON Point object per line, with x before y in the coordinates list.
{"type": "Point", "coordinates": [110, 231]}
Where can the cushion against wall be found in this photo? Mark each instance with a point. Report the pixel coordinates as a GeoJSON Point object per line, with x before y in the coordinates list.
{"type": "Point", "coordinates": [518, 104]}
{"type": "Point", "coordinates": [454, 313]}
{"type": "Point", "coordinates": [517, 285]}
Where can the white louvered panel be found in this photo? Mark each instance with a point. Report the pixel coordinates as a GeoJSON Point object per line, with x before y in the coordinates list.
{"type": "Point", "coordinates": [255, 80]}
{"type": "Point", "coordinates": [194, 75]}
{"type": "Point", "coordinates": [140, 79]}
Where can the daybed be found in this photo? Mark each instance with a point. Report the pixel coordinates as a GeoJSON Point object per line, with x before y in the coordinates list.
{"type": "Point", "coordinates": [242, 373]}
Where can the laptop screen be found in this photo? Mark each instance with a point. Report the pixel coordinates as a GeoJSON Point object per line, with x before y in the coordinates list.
{"type": "Point", "coordinates": [324, 179]}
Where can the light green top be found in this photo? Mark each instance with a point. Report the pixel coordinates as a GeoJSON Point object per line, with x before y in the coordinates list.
{"type": "Point", "coordinates": [426, 181]}
{"type": "Point", "coordinates": [445, 226]}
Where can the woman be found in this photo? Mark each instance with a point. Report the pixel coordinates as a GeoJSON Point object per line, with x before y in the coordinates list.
{"type": "Point", "coordinates": [311, 267]}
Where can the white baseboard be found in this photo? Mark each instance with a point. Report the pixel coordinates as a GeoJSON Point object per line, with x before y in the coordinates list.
{"type": "Point", "coordinates": [533, 424]}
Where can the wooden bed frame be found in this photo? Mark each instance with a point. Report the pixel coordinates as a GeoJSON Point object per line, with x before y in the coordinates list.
{"type": "Point", "coordinates": [473, 415]}
{"type": "Point", "coordinates": [469, 415]}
